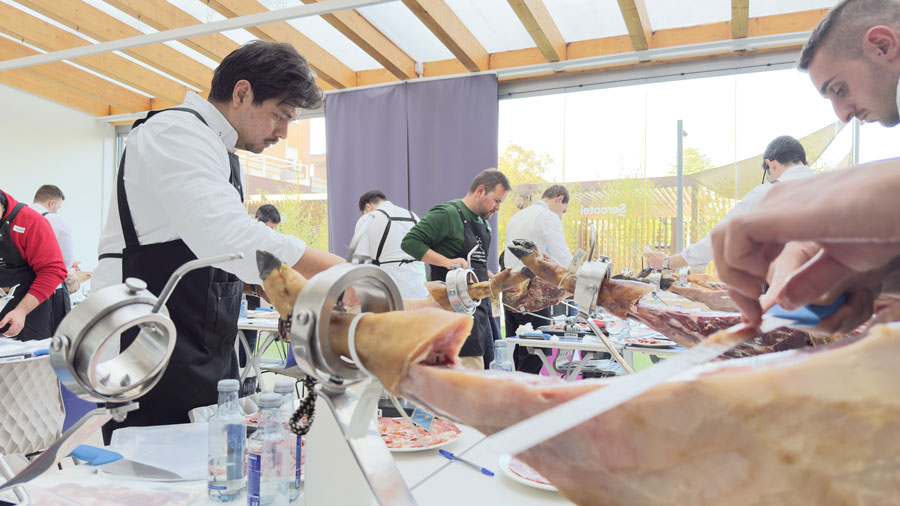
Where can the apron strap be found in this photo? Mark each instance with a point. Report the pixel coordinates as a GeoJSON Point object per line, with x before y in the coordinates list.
{"type": "Point", "coordinates": [15, 212]}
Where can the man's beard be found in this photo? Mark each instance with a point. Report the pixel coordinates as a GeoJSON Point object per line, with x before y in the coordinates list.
{"type": "Point", "coordinates": [882, 87]}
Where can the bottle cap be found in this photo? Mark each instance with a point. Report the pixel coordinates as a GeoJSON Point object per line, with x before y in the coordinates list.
{"type": "Point", "coordinates": [229, 385]}
{"type": "Point", "coordinates": [269, 401]}
{"type": "Point", "coordinates": [284, 386]}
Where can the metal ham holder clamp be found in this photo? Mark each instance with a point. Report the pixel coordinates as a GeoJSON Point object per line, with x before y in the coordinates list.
{"type": "Point", "coordinates": [457, 282]}
{"type": "Point", "coordinates": [350, 393]}
{"type": "Point", "coordinates": [591, 276]}
{"type": "Point", "coordinates": [77, 355]}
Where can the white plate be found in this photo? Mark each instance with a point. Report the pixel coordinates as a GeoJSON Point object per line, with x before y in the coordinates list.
{"type": "Point", "coordinates": [505, 460]}
{"type": "Point", "coordinates": [432, 447]}
{"type": "Point", "coordinates": [664, 344]}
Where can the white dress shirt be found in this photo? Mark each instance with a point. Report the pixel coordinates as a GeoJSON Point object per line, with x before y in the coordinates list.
{"type": "Point", "coordinates": [700, 253]}
{"type": "Point", "coordinates": [176, 180]}
{"type": "Point", "coordinates": [543, 227]}
{"type": "Point", "coordinates": [410, 277]}
{"type": "Point", "coordinates": [63, 233]}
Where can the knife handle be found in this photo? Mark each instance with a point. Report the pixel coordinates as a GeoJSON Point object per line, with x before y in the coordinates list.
{"type": "Point", "coordinates": [807, 316]}
{"type": "Point", "coordinates": [95, 456]}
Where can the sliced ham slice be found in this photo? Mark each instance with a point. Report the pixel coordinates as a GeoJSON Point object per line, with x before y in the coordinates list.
{"type": "Point", "coordinates": [789, 429]}
{"type": "Point", "coordinates": [688, 327]}
{"type": "Point", "coordinates": [617, 296]}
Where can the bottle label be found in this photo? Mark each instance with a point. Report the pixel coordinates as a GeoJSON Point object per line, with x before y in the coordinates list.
{"type": "Point", "coordinates": [253, 476]}
{"type": "Point", "coordinates": [298, 462]}
{"type": "Point", "coordinates": [216, 487]}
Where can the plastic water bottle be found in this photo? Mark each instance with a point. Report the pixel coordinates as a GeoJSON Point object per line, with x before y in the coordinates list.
{"type": "Point", "coordinates": [243, 313]}
{"type": "Point", "coordinates": [227, 445]}
{"type": "Point", "coordinates": [268, 464]}
{"type": "Point", "coordinates": [501, 360]}
{"type": "Point", "coordinates": [285, 388]}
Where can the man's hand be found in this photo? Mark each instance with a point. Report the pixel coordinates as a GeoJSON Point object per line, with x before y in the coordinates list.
{"type": "Point", "coordinates": [655, 259]}
{"type": "Point", "coordinates": [850, 214]}
{"type": "Point", "coordinates": [456, 262]}
{"type": "Point", "coordinates": [16, 321]}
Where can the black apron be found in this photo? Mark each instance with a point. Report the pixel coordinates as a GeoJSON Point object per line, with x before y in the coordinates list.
{"type": "Point", "coordinates": [60, 302]}
{"type": "Point", "coordinates": [204, 306]}
{"type": "Point", "coordinates": [480, 342]}
{"type": "Point", "coordinates": [14, 270]}
{"type": "Point", "coordinates": [384, 236]}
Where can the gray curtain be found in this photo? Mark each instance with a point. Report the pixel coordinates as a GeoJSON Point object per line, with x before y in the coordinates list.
{"type": "Point", "coordinates": [421, 143]}
{"type": "Point", "coordinates": [366, 142]}
{"type": "Point", "coordinates": [452, 137]}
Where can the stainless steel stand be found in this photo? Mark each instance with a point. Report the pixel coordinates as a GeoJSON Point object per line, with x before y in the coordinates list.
{"type": "Point", "coordinates": [590, 279]}
{"type": "Point", "coordinates": [89, 333]}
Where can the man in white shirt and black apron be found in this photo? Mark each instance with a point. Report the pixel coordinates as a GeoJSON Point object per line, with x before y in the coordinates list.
{"type": "Point", "coordinates": [388, 225]}
{"type": "Point", "coordinates": [179, 197]}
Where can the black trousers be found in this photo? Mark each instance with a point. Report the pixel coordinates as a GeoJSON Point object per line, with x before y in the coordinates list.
{"type": "Point", "coordinates": [523, 360]}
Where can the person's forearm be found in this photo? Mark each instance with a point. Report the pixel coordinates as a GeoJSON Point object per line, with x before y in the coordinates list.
{"type": "Point", "coordinates": [315, 261]}
{"type": "Point", "coordinates": [432, 257]}
{"type": "Point", "coordinates": [28, 303]}
{"type": "Point", "coordinates": [677, 262]}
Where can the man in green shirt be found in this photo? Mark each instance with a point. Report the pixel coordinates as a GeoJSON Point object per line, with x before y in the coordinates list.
{"type": "Point", "coordinates": [457, 234]}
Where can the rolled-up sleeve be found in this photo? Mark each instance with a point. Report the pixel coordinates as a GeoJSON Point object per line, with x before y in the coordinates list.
{"type": "Point", "coordinates": [204, 208]}
{"type": "Point", "coordinates": [430, 230]}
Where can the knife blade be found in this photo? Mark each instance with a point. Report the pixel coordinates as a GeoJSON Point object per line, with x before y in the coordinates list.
{"type": "Point", "coordinates": [114, 463]}
{"type": "Point", "coordinates": [554, 421]}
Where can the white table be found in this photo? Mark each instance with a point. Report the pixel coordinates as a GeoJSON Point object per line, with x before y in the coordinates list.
{"type": "Point", "coordinates": [588, 349]}
{"type": "Point", "coordinates": [267, 326]}
{"type": "Point", "coordinates": [434, 480]}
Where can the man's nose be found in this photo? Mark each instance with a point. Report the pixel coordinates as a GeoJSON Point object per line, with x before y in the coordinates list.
{"type": "Point", "coordinates": [845, 112]}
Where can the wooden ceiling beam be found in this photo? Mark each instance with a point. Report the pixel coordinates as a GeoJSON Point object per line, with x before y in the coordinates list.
{"type": "Point", "coordinates": [162, 15]}
{"type": "Point", "coordinates": [358, 29]}
{"type": "Point", "coordinates": [323, 63]}
{"type": "Point", "coordinates": [740, 18]}
{"type": "Point", "coordinates": [450, 30]}
{"type": "Point", "coordinates": [635, 14]}
{"type": "Point", "coordinates": [537, 20]}
{"type": "Point", "coordinates": [78, 80]}
{"type": "Point", "coordinates": [31, 30]}
{"type": "Point", "coordinates": [100, 26]}
{"type": "Point", "coordinates": [29, 82]}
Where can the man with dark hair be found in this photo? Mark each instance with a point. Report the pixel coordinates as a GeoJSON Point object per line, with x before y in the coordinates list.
{"type": "Point", "coordinates": [48, 200]}
{"type": "Point", "coordinates": [179, 197]}
{"type": "Point", "coordinates": [31, 267]}
{"type": "Point", "coordinates": [388, 224]}
{"type": "Point", "coordinates": [457, 234]}
{"type": "Point", "coordinates": [852, 59]}
{"type": "Point", "coordinates": [269, 215]}
{"type": "Point", "coordinates": [783, 160]}
{"type": "Point", "coordinates": [540, 223]}
{"type": "Point", "coordinates": [835, 234]}
{"type": "Point", "coordinates": [370, 201]}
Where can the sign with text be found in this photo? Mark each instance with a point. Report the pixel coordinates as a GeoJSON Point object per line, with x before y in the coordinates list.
{"type": "Point", "coordinates": [618, 210]}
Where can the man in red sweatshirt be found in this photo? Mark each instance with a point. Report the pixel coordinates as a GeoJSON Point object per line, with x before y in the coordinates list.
{"type": "Point", "coordinates": [31, 266]}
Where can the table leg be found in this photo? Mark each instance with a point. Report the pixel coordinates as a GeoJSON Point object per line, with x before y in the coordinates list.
{"type": "Point", "coordinates": [540, 353]}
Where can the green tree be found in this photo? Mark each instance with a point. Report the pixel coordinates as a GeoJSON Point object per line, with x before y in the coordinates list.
{"type": "Point", "coordinates": [694, 161]}
{"type": "Point", "coordinates": [306, 219]}
{"type": "Point", "coordinates": [521, 166]}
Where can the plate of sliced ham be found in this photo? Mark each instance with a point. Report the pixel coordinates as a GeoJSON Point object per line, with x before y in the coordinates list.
{"type": "Point", "coordinates": [399, 437]}
{"type": "Point", "coordinates": [649, 342]}
{"type": "Point", "coordinates": [523, 473]}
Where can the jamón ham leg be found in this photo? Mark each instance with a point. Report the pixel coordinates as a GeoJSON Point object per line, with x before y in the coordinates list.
{"type": "Point", "coordinates": [617, 296]}
{"type": "Point", "coordinates": [802, 427]}
{"type": "Point", "coordinates": [688, 327]}
{"type": "Point", "coordinates": [387, 343]}
{"type": "Point", "coordinates": [503, 280]}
